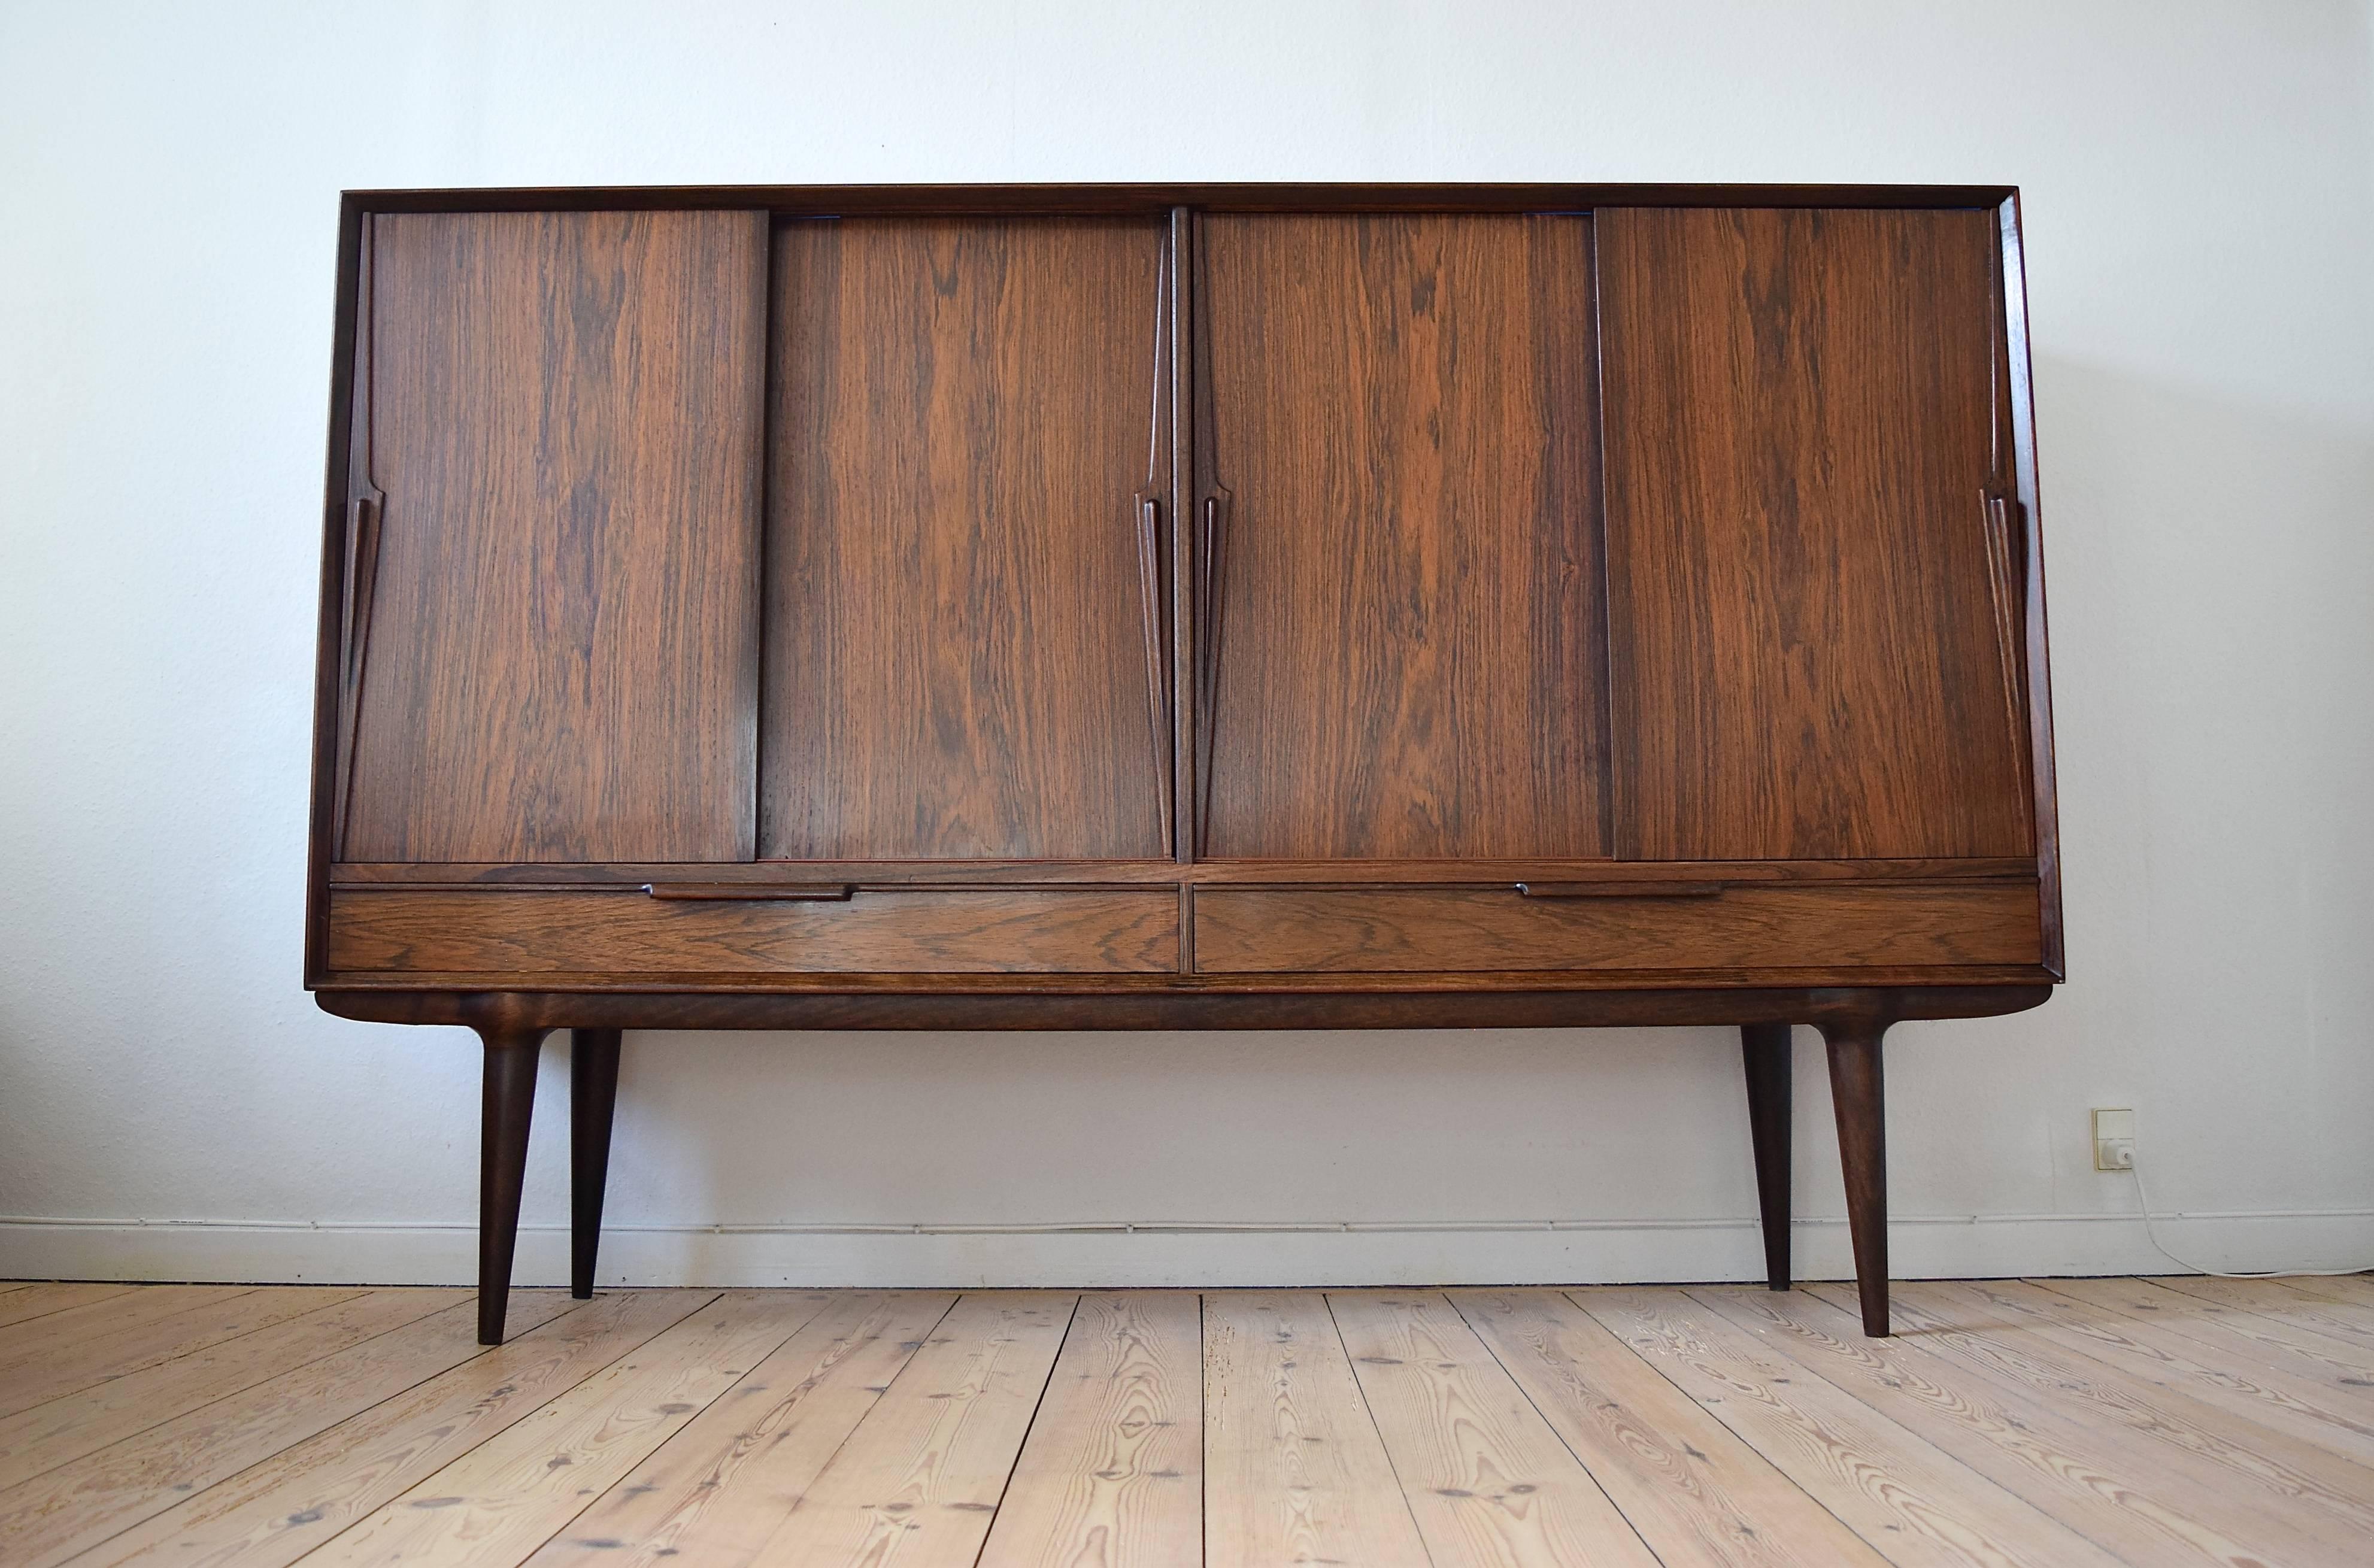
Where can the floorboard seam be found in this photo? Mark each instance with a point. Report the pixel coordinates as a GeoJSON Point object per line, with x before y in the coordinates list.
{"type": "Point", "coordinates": [226, 1393]}
{"type": "Point", "coordinates": [107, 1334]}
{"type": "Point", "coordinates": [1768, 1461]}
{"type": "Point", "coordinates": [103, 1379]}
{"type": "Point", "coordinates": [1525, 1394]}
{"type": "Point", "coordinates": [1841, 1441]}
{"type": "Point", "coordinates": [558, 1530]}
{"type": "Point", "coordinates": [1030, 1426]}
{"type": "Point", "coordinates": [226, 1480]}
{"type": "Point", "coordinates": [574, 1307]}
{"type": "Point", "coordinates": [1943, 1366]}
{"type": "Point", "coordinates": [1974, 1477]}
{"type": "Point", "coordinates": [1203, 1439]}
{"type": "Point", "coordinates": [1327, 1303]}
{"type": "Point", "coordinates": [956, 1298]}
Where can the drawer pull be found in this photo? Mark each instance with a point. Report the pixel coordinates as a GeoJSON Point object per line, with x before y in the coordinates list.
{"type": "Point", "coordinates": [1620, 889]}
{"type": "Point", "coordinates": [752, 892]}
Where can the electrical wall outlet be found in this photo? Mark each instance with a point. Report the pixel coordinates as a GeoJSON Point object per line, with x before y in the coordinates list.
{"type": "Point", "coordinates": [2114, 1140]}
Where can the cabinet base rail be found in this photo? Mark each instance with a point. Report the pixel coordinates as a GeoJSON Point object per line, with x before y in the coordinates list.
{"type": "Point", "coordinates": [1853, 1024]}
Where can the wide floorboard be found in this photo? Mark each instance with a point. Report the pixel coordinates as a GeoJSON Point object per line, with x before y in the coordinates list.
{"type": "Point", "coordinates": [2074, 1423]}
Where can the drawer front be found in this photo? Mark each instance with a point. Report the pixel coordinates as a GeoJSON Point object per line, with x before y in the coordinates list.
{"type": "Point", "coordinates": [1407, 930]}
{"type": "Point", "coordinates": [1003, 930]}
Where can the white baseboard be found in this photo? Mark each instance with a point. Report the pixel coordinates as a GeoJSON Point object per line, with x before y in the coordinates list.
{"type": "Point", "coordinates": [1515, 1252]}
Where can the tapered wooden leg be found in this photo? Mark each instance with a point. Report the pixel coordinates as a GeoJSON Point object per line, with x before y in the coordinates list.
{"type": "Point", "coordinates": [508, 1103]}
{"type": "Point", "coordinates": [592, 1098]}
{"type": "Point", "coordinates": [1857, 1095]}
{"type": "Point", "coordinates": [1765, 1049]}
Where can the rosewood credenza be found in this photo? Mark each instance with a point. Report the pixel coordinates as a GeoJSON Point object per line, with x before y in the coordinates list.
{"type": "Point", "coordinates": [1181, 607]}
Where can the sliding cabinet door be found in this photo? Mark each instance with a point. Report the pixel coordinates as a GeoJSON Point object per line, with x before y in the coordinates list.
{"type": "Point", "coordinates": [552, 643]}
{"type": "Point", "coordinates": [1400, 622]}
{"type": "Point", "coordinates": [1813, 596]}
{"type": "Point", "coordinates": [967, 640]}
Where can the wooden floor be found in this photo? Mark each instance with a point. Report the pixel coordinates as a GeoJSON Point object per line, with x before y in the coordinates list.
{"type": "Point", "coordinates": [2071, 1422]}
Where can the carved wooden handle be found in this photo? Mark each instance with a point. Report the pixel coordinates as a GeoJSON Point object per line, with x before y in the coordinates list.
{"type": "Point", "coordinates": [363, 513]}
{"type": "Point", "coordinates": [1211, 581]}
{"type": "Point", "coordinates": [1207, 564]}
{"type": "Point", "coordinates": [363, 566]}
{"type": "Point", "coordinates": [752, 892]}
{"type": "Point", "coordinates": [1621, 889]}
{"type": "Point", "coordinates": [1157, 680]}
{"type": "Point", "coordinates": [1211, 558]}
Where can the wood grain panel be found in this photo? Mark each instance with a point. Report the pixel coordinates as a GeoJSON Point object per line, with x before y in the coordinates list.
{"type": "Point", "coordinates": [130, 1401]}
{"type": "Point", "coordinates": [2313, 1411]}
{"type": "Point", "coordinates": [1402, 630]}
{"type": "Point", "coordinates": [1278, 930]}
{"type": "Point", "coordinates": [2122, 1491]}
{"type": "Point", "coordinates": [1719, 1427]}
{"type": "Point", "coordinates": [1009, 931]}
{"type": "Point", "coordinates": [2344, 1368]}
{"type": "Point", "coordinates": [1113, 1470]}
{"type": "Point", "coordinates": [973, 874]}
{"type": "Point", "coordinates": [509, 1494]}
{"type": "Point", "coordinates": [965, 444]}
{"type": "Point", "coordinates": [2347, 1321]}
{"type": "Point", "coordinates": [103, 1318]}
{"type": "Point", "coordinates": [1807, 631]}
{"type": "Point", "coordinates": [1489, 1481]}
{"type": "Point", "coordinates": [35, 1300]}
{"type": "Point", "coordinates": [917, 1483]}
{"type": "Point", "coordinates": [2312, 1489]}
{"type": "Point", "coordinates": [1150, 197]}
{"type": "Point", "coordinates": [66, 1370]}
{"type": "Point", "coordinates": [1700, 1497]}
{"type": "Point", "coordinates": [176, 1465]}
{"type": "Point", "coordinates": [297, 1483]}
{"type": "Point", "coordinates": [1294, 1469]}
{"type": "Point", "coordinates": [717, 1491]}
{"type": "Point", "coordinates": [1900, 1492]}
{"type": "Point", "coordinates": [2357, 1288]}
{"type": "Point", "coordinates": [565, 416]}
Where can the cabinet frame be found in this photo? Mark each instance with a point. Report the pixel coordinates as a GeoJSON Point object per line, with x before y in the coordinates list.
{"type": "Point", "coordinates": [1178, 206]}
{"type": "Point", "coordinates": [1852, 1006]}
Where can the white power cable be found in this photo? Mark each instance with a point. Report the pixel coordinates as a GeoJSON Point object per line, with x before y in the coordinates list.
{"type": "Point", "coordinates": [2143, 1198]}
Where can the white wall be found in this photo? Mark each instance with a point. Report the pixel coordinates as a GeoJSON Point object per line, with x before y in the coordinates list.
{"type": "Point", "coordinates": [2200, 199]}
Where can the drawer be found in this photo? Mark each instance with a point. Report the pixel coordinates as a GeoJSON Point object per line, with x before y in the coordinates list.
{"type": "Point", "coordinates": [628, 932]}
{"type": "Point", "coordinates": [1436, 929]}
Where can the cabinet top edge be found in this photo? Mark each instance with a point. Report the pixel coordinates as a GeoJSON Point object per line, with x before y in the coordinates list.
{"type": "Point", "coordinates": [1083, 199]}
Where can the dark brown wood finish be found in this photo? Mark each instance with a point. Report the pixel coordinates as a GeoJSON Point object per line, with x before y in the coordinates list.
{"type": "Point", "coordinates": [1147, 200]}
{"type": "Point", "coordinates": [1074, 988]}
{"type": "Point", "coordinates": [786, 879]}
{"type": "Point", "coordinates": [966, 540]}
{"type": "Point", "coordinates": [506, 1105]}
{"type": "Point", "coordinates": [1303, 930]}
{"type": "Point", "coordinates": [1402, 623]}
{"type": "Point", "coordinates": [564, 416]}
{"type": "Point", "coordinates": [1807, 658]}
{"type": "Point", "coordinates": [1186, 637]}
{"type": "Point", "coordinates": [2037, 663]}
{"type": "Point", "coordinates": [1858, 1098]}
{"type": "Point", "coordinates": [985, 930]}
{"type": "Point", "coordinates": [592, 1105]}
{"type": "Point", "coordinates": [1659, 1002]}
{"type": "Point", "coordinates": [366, 510]}
{"type": "Point", "coordinates": [1181, 607]}
{"type": "Point", "coordinates": [1765, 1052]}
{"type": "Point", "coordinates": [328, 761]}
